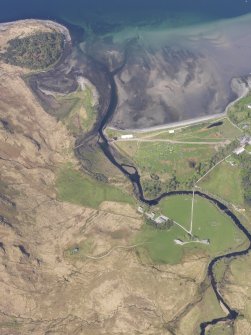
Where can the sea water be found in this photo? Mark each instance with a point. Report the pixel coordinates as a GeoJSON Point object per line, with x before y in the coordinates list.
{"type": "Point", "coordinates": [105, 15]}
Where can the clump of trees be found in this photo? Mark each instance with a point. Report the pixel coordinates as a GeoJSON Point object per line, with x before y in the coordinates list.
{"type": "Point", "coordinates": [36, 51]}
{"type": "Point", "coordinates": [161, 225]}
{"type": "Point", "coordinates": [152, 188]}
{"type": "Point", "coordinates": [241, 114]}
{"type": "Point", "coordinates": [245, 162]}
{"type": "Point", "coordinates": [203, 167]}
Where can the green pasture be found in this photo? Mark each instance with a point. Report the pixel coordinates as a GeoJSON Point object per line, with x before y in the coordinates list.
{"type": "Point", "coordinates": [201, 132]}
{"type": "Point", "coordinates": [177, 208]}
{"type": "Point", "coordinates": [77, 110]}
{"type": "Point", "coordinates": [225, 181]}
{"type": "Point", "coordinates": [209, 223]}
{"type": "Point", "coordinates": [166, 158]}
{"type": "Point", "coordinates": [159, 245]}
{"type": "Point", "coordinates": [75, 187]}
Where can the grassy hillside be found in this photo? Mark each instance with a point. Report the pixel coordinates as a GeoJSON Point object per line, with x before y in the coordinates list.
{"type": "Point", "coordinates": [73, 186]}
{"type": "Point", "coordinates": [77, 110]}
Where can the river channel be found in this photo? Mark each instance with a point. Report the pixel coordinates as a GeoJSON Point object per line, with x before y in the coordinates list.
{"type": "Point", "coordinates": [134, 177]}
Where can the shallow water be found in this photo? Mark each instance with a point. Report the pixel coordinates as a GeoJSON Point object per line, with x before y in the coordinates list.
{"type": "Point", "coordinates": [185, 73]}
{"type": "Point", "coordinates": [213, 32]}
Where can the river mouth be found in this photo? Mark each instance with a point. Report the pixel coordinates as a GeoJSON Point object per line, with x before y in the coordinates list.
{"type": "Point", "coordinates": [133, 175]}
{"type": "Point", "coordinates": [173, 75]}
{"type": "Point", "coordinates": [163, 75]}
{"type": "Point", "coordinates": [107, 108]}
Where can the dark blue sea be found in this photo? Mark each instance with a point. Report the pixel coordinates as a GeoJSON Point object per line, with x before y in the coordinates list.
{"type": "Point", "coordinates": [103, 15]}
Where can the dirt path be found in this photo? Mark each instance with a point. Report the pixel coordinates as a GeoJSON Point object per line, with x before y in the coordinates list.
{"type": "Point", "coordinates": [114, 248]}
{"type": "Point", "coordinates": [170, 141]}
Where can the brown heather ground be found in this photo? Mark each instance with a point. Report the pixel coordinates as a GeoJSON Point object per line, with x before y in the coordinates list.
{"type": "Point", "coordinates": [44, 288]}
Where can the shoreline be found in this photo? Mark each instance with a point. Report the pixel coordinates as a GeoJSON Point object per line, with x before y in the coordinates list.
{"type": "Point", "coordinates": [240, 86]}
{"type": "Point", "coordinates": [243, 86]}
{"type": "Point", "coordinates": [47, 23]}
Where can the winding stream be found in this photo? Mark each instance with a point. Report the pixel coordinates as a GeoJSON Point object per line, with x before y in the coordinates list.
{"type": "Point", "coordinates": [134, 177]}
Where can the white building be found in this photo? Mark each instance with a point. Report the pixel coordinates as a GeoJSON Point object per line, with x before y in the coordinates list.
{"type": "Point", "coordinates": [126, 137]}
{"type": "Point", "coordinates": [245, 140]}
{"type": "Point", "coordinates": [239, 150]}
{"type": "Point", "coordinates": [161, 219]}
{"type": "Point", "coordinates": [140, 210]}
{"type": "Point", "coordinates": [205, 241]}
{"type": "Point", "coordinates": [179, 242]}
{"type": "Point", "coordinates": [150, 215]}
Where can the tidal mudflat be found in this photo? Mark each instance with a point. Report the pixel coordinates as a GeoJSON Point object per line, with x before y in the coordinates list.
{"type": "Point", "coordinates": [176, 74]}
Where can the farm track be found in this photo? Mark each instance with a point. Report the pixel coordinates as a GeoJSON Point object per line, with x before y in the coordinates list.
{"type": "Point", "coordinates": [114, 248]}
{"type": "Point", "coordinates": [171, 141]}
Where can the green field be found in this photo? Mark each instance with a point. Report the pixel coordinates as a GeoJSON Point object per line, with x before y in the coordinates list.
{"type": "Point", "coordinates": [164, 166]}
{"type": "Point", "coordinates": [201, 132]}
{"type": "Point", "coordinates": [77, 110]}
{"type": "Point", "coordinates": [159, 245]}
{"type": "Point", "coordinates": [177, 208]}
{"type": "Point", "coordinates": [208, 223]}
{"type": "Point", "coordinates": [193, 133]}
{"type": "Point", "coordinates": [170, 161]}
{"type": "Point", "coordinates": [75, 187]}
{"type": "Point", "coordinates": [165, 158]}
{"type": "Point", "coordinates": [225, 182]}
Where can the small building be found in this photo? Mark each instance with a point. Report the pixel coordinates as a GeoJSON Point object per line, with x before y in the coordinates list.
{"type": "Point", "coordinates": [171, 131]}
{"type": "Point", "coordinates": [161, 219]}
{"type": "Point", "coordinates": [249, 106]}
{"type": "Point", "coordinates": [232, 163]}
{"type": "Point", "coordinates": [239, 150]}
{"type": "Point", "coordinates": [205, 241]}
{"type": "Point", "coordinates": [150, 215]}
{"type": "Point", "coordinates": [179, 242]}
{"type": "Point", "coordinates": [75, 250]}
{"type": "Point", "coordinates": [245, 140]}
{"type": "Point", "coordinates": [140, 210]}
{"type": "Point", "coordinates": [126, 137]}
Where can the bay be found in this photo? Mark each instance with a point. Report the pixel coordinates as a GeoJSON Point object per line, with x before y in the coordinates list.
{"type": "Point", "coordinates": [105, 15]}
